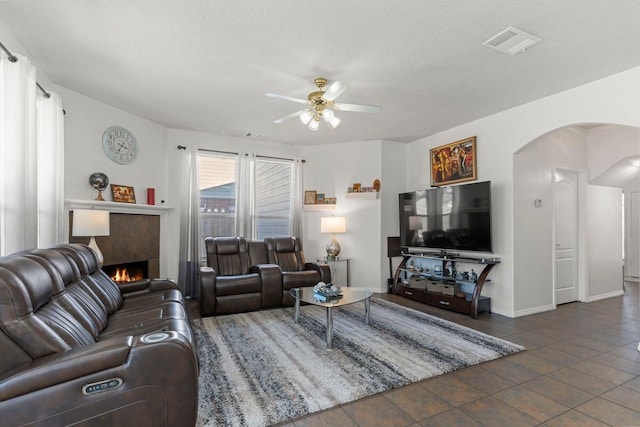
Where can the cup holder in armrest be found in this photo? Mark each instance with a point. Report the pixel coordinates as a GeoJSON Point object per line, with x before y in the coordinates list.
{"type": "Point", "coordinates": [155, 337]}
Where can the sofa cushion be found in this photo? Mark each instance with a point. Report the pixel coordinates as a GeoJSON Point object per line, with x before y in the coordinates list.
{"type": "Point", "coordinates": [233, 285]}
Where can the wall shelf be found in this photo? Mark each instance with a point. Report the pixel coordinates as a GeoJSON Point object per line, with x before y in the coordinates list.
{"type": "Point", "coordinates": [319, 207]}
{"type": "Point", "coordinates": [368, 195]}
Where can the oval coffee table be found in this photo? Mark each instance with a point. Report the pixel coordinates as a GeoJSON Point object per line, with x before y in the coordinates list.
{"type": "Point", "coordinates": [349, 296]}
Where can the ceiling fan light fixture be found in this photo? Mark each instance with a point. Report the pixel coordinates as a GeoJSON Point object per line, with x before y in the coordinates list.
{"type": "Point", "coordinates": [328, 114]}
{"type": "Point", "coordinates": [334, 122]}
{"type": "Point", "coordinates": [314, 125]}
{"type": "Point", "coordinates": [306, 117]}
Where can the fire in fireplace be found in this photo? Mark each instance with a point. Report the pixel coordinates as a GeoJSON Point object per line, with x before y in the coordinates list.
{"type": "Point", "coordinates": [128, 272]}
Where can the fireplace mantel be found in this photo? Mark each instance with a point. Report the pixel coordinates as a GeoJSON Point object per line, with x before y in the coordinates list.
{"type": "Point", "coordinates": [117, 207]}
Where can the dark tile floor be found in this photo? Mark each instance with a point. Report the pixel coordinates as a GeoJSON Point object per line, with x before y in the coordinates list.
{"type": "Point", "coordinates": [581, 368]}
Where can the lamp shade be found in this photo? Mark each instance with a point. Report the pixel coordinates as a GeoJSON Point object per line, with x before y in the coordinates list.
{"type": "Point", "coordinates": [417, 223]}
{"type": "Point", "coordinates": [90, 222]}
{"type": "Point", "coordinates": [333, 224]}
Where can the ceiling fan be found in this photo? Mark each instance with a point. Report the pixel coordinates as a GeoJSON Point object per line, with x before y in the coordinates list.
{"type": "Point", "coordinates": [321, 104]}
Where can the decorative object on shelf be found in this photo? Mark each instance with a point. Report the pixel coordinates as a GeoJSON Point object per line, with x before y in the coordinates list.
{"type": "Point", "coordinates": [91, 223]}
{"type": "Point", "coordinates": [356, 187]}
{"type": "Point", "coordinates": [333, 225]}
{"type": "Point", "coordinates": [119, 145]}
{"type": "Point", "coordinates": [123, 193]}
{"type": "Point", "coordinates": [151, 196]}
{"type": "Point", "coordinates": [310, 197]}
{"type": "Point", "coordinates": [455, 162]}
{"type": "Point", "coordinates": [99, 181]}
{"type": "Point", "coordinates": [376, 185]}
{"type": "Point", "coordinates": [322, 105]}
{"type": "Point", "coordinates": [320, 198]}
{"type": "Point", "coordinates": [329, 200]}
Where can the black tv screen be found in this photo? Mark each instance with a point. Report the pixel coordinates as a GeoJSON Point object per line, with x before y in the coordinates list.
{"type": "Point", "coordinates": [447, 218]}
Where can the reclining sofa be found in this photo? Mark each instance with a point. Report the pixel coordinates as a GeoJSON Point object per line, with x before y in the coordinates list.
{"type": "Point", "coordinates": [244, 275]}
{"type": "Point", "coordinates": [78, 349]}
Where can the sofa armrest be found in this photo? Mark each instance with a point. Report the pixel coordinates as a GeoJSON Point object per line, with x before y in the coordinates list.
{"type": "Point", "coordinates": [323, 269]}
{"type": "Point", "coordinates": [150, 379]}
{"type": "Point", "coordinates": [207, 291]}
{"type": "Point", "coordinates": [149, 285]}
{"type": "Point", "coordinates": [271, 278]}
{"type": "Point", "coordinates": [65, 366]}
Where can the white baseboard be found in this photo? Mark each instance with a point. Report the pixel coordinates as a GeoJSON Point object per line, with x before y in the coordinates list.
{"type": "Point", "coordinates": [534, 310]}
{"type": "Point", "coordinates": [605, 296]}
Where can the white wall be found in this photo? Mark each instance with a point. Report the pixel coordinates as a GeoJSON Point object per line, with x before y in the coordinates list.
{"type": "Point", "coordinates": [393, 183]}
{"type": "Point", "coordinates": [604, 245]}
{"type": "Point", "coordinates": [85, 121]}
{"type": "Point", "coordinates": [331, 169]}
{"type": "Point", "coordinates": [607, 145]}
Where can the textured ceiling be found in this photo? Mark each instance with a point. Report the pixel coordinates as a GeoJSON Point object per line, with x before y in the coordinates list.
{"type": "Point", "coordinates": [206, 65]}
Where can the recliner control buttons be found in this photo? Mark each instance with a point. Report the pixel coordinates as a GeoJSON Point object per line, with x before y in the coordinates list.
{"type": "Point", "coordinates": [102, 386]}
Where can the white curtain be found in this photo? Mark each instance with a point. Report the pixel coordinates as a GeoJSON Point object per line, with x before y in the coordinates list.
{"type": "Point", "coordinates": [244, 196]}
{"type": "Point", "coordinates": [50, 167]}
{"type": "Point", "coordinates": [22, 135]}
{"type": "Point", "coordinates": [189, 257]}
{"type": "Point", "coordinates": [296, 199]}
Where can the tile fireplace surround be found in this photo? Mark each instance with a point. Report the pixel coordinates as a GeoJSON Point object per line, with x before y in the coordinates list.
{"type": "Point", "coordinates": [135, 233]}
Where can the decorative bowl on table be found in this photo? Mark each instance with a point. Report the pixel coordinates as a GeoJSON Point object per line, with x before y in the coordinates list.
{"type": "Point", "coordinates": [327, 289]}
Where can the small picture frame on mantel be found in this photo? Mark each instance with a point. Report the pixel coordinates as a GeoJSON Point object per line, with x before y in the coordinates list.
{"type": "Point", "coordinates": [123, 193]}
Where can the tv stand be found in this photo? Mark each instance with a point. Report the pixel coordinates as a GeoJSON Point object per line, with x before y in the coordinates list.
{"type": "Point", "coordinates": [471, 304]}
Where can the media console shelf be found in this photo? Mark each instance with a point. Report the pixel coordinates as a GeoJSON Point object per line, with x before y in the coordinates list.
{"type": "Point", "coordinates": [471, 304]}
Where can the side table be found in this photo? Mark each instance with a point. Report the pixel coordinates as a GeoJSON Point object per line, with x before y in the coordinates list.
{"type": "Point", "coordinates": [339, 270]}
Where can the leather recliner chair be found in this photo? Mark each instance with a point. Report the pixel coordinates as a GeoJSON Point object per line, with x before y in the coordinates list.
{"type": "Point", "coordinates": [231, 283]}
{"type": "Point", "coordinates": [296, 273]}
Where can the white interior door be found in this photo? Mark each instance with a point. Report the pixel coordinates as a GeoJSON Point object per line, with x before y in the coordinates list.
{"type": "Point", "coordinates": [566, 237]}
{"type": "Point", "coordinates": [632, 254]}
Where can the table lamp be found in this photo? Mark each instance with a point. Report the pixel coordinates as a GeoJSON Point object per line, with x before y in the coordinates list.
{"type": "Point", "coordinates": [333, 225]}
{"type": "Point", "coordinates": [91, 222]}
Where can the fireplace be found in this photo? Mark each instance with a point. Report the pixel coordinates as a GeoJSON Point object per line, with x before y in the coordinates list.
{"type": "Point", "coordinates": [127, 272]}
{"type": "Point", "coordinates": [134, 239]}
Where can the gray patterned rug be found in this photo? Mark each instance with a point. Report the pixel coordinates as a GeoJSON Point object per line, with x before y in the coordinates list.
{"type": "Point", "coordinates": [261, 368]}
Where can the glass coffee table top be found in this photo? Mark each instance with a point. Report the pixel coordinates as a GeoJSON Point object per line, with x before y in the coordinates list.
{"type": "Point", "coordinates": [349, 296]}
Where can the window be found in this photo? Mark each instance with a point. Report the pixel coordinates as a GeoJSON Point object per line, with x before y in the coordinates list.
{"type": "Point", "coordinates": [272, 183]}
{"type": "Point", "coordinates": [217, 183]}
{"type": "Point", "coordinates": [267, 199]}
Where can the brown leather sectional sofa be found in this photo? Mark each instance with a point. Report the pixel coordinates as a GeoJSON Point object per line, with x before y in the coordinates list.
{"type": "Point", "coordinates": [244, 275]}
{"type": "Point", "coordinates": [78, 349]}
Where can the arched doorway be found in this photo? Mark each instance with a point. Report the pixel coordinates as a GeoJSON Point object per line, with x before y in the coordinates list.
{"type": "Point", "coordinates": [586, 150]}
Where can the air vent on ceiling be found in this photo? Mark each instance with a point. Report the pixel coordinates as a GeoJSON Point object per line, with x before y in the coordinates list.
{"type": "Point", "coordinates": [512, 41]}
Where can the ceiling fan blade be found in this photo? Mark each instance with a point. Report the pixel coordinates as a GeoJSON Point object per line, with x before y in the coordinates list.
{"type": "Point", "coordinates": [290, 116]}
{"type": "Point", "coordinates": [288, 98]}
{"type": "Point", "coordinates": [358, 108]}
{"type": "Point", "coordinates": [335, 90]}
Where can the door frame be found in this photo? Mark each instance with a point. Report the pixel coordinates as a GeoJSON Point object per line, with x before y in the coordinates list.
{"type": "Point", "coordinates": [583, 281]}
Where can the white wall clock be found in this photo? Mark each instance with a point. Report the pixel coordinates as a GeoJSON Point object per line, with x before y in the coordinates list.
{"type": "Point", "coordinates": [119, 145]}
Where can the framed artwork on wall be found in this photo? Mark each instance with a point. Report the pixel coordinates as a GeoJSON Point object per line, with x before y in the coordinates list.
{"type": "Point", "coordinates": [123, 193]}
{"type": "Point", "coordinates": [454, 162]}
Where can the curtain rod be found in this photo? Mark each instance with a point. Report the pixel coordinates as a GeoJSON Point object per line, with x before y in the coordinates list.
{"type": "Point", "coordinates": [277, 158]}
{"type": "Point", "coordinates": [182, 147]}
{"type": "Point", "coordinates": [13, 58]}
{"type": "Point", "coordinates": [216, 151]}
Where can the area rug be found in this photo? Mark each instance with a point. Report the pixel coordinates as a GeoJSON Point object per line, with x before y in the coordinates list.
{"type": "Point", "coordinates": [261, 368]}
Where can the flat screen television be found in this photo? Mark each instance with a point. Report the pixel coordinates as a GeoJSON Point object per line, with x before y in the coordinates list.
{"type": "Point", "coordinates": [455, 218]}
